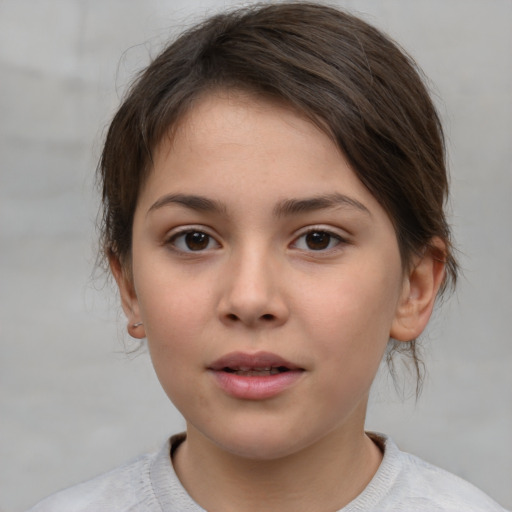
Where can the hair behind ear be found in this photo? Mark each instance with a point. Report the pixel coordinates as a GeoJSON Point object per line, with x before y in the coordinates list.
{"type": "Point", "coordinates": [422, 283]}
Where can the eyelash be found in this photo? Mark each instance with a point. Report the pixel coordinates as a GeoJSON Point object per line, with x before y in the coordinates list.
{"type": "Point", "coordinates": [319, 230]}
{"type": "Point", "coordinates": [172, 240]}
{"type": "Point", "coordinates": [208, 239]}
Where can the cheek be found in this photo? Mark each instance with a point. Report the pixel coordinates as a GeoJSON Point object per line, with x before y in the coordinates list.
{"type": "Point", "coordinates": [173, 321]}
{"type": "Point", "coordinates": [170, 300]}
{"type": "Point", "coordinates": [362, 300]}
{"type": "Point", "coordinates": [351, 317]}
{"type": "Point", "coordinates": [174, 317]}
{"type": "Point", "coordinates": [173, 328]}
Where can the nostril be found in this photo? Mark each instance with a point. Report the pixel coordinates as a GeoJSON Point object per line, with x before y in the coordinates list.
{"type": "Point", "coordinates": [233, 318]}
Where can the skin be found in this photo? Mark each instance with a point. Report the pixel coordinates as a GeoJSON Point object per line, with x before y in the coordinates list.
{"type": "Point", "coordinates": [256, 282]}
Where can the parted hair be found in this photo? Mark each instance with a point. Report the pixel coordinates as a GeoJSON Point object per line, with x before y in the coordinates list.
{"type": "Point", "coordinates": [346, 76]}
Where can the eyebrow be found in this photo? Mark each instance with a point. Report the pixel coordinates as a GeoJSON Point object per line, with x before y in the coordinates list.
{"type": "Point", "coordinates": [193, 202]}
{"type": "Point", "coordinates": [284, 208]}
{"type": "Point", "coordinates": [323, 202]}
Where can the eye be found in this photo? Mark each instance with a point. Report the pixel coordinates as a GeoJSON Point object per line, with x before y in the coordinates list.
{"type": "Point", "coordinates": [317, 240]}
{"type": "Point", "coordinates": [193, 241]}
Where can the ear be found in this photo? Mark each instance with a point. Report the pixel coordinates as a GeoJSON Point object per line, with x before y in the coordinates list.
{"type": "Point", "coordinates": [123, 276]}
{"type": "Point", "coordinates": [419, 292]}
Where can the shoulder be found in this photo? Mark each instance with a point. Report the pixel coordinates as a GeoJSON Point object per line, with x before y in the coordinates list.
{"type": "Point", "coordinates": [125, 488]}
{"type": "Point", "coordinates": [416, 485]}
{"type": "Point", "coordinates": [445, 490]}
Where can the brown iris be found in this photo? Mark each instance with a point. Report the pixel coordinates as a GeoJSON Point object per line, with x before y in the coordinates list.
{"type": "Point", "coordinates": [197, 241]}
{"type": "Point", "coordinates": [318, 240]}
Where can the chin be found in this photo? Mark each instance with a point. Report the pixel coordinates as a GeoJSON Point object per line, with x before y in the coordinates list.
{"type": "Point", "coordinates": [261, 441]}
{"type": "Point", "coordinates": [259, 448]}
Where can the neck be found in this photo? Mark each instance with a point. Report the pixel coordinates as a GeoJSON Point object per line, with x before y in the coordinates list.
{"type": "Point", "coordinates": [325, 476]}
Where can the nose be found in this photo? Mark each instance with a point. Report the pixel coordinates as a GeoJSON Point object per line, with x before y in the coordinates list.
{"type": "Point", "coordinates": [252, 293]}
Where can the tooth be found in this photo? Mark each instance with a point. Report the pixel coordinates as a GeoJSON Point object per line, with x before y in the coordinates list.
{"type": "Point", "coordinates": [254, 372]}
{"type": "Point", "coordinates": [252, 368]}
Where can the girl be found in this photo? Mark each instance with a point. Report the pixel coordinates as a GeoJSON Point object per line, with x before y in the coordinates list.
{"type": "Point", "coordinates": [273, 191]}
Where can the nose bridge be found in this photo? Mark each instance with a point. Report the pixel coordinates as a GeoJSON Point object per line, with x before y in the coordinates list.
{"type": "Point", "coordinates": [252, 293]}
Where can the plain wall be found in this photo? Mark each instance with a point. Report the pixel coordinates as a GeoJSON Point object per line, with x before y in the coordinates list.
{"type": "Point", "coordinates": [73, 401]}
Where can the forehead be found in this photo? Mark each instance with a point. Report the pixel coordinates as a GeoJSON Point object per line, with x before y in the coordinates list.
{"type": "Point", "coordinates": [228, 115]}
{"type": "Point", "coordinates": [240, 146]}
{"type": "Point", "coordinates": [233, 123]}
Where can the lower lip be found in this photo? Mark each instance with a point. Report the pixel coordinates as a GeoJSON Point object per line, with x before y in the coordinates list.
{"type": "Point", "coordinates": [256, 387]}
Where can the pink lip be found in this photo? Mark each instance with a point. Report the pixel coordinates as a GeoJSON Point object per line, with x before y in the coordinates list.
{"type": "Point", "coordinates": [257, 360]}
{"type": "Point", "coordinates": [254, 387]}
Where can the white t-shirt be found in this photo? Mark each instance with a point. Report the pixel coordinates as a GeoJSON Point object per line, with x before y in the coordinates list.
{"type": "Point", "coordinates": [403, 483]}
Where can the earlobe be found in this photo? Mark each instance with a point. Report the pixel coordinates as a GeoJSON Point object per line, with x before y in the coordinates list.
{"type": "Point", "coordinates": [419, 292]}
{"type": "Point", "coordinates": [129, 300]}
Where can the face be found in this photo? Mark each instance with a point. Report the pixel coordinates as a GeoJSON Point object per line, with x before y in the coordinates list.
{"type": "Point", "coordinates": [267, 278]}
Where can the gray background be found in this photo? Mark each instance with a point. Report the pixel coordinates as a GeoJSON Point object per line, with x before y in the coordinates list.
{"type": "Point", "coordinates": [73, 402]}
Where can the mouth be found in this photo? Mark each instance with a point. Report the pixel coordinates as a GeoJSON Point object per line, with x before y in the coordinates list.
{"type": "Point", "coordinates": [256, 372]}
{"type": "Point", "coordinates": [257, 376]}
{"type": "Point", "coordinates": [253, 365]}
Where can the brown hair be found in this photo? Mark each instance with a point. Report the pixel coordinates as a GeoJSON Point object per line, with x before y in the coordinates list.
{"type": "Point", "coordinates": [343, 74]}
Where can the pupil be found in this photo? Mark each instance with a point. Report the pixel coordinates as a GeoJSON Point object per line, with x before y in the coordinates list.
{"type": "Point", "coordinates": [196, 241]}
{"type": "Point", "coordinates": [318, 240]}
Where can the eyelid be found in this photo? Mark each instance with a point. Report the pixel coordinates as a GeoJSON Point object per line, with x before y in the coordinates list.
{"type": "Point", "coordinates": [342, 237]}
{"type": "Point", "coordinates": [331, 230]}
{"type": "Point", "coordinates": [171, 236]}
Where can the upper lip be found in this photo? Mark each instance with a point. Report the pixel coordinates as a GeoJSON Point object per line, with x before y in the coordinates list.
{"type": "Point", "coordinates": [247, 361]}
